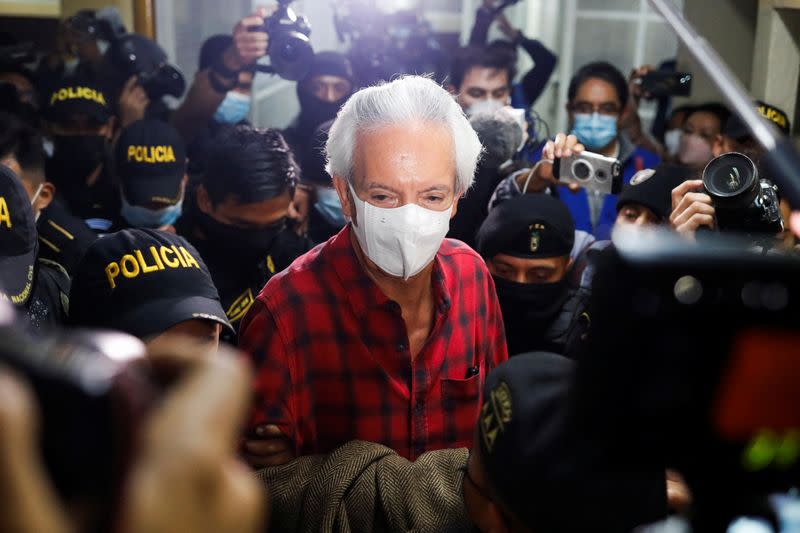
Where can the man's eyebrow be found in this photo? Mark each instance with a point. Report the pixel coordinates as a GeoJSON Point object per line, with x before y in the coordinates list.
{"type": "Point", "coordinates": [376, 185]}
{"type": "Point", "coordinates": [442, 188]}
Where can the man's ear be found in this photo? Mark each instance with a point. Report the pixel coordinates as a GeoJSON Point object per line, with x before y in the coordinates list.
{"type": "Point", "coordinates": [45, 196]}
{"type": "Point", "coordinates": [343, 190]}
{"type": "Point", "coordinates": [203, 200]}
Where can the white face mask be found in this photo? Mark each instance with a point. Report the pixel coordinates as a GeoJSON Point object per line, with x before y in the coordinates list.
{"type": "Point", "coordinates": [33, 201]}
{"type": "Point", "coordinates": [490, 105]}
{"type": "Point", "coordinates": [401, 240]}
{"type": "Point", "coordinates": [672, 141]}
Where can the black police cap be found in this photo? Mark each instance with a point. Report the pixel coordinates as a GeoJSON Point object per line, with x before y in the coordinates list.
{"type": "Point", "coordinates": [530, 226]}
{"type": "Point", "coordinates": [735, 128]}
{"type": "Point", "coordinates": [142, 282]}
{"type": "Point", "coordinates": [544, 470]}
{"type": "Point", "coordinates": [78, 95]}
{"type": "Point", "coordinates": [150, 160]}
{"type": "Point", "coordinates": [18, 242]}
{"type": "Point", "coordinates": [652, 188]}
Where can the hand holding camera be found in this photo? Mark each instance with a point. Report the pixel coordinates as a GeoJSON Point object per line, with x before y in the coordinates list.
{"type": "Point", "coordinates": [250, 40]}
{"type": "Point", "coordinates": [541, 175]}
{"type": "Point", "coordinates": [691, 208]}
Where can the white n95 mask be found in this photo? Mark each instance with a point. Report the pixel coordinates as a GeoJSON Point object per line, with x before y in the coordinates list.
{"type": "Point", "coordinates": [401, 240]}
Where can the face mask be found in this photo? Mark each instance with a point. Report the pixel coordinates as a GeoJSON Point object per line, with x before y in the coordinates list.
{"type": "Point", "coordinates": [672, 141]}
{"type": "Point", "coordinates": [77, 156]}
{"type": "Point", "coordinates": [240, 241]}
{"type": "Point", "coordinates": [142, 217]}
{"type": "Point", "coordinates": [314, 111]}
{"type": "Point", "coordinates": [528, 310]}
{"type": "Point", "coordinates": [33, 201]}
{"type": "Point", "coordinates": [595, 131]}
{"type": "Point", "coordinates": [329, 206]}
{"type": "Point", "coordinates": [402, 240]}
{"type": "Point", "coordinates": [490, 105]}
{"type": "Point", "coordinates": [695, 151]}
{"type": "Point", "coordinates": [233, 109]}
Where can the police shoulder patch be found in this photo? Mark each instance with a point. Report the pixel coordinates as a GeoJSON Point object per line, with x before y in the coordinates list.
{"type": "Point", "coordinates": [240, 306]}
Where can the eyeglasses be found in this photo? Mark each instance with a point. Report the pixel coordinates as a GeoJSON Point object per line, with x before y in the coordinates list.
{"type": "Point", "coordinates": [588, 108]}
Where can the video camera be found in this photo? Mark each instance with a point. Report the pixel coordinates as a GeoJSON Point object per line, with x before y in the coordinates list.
{"type": "Point", "coordinates": [692, 363]}
{"type": "Point", "coordinates": [383, 45]}
{"type": "Point", "coordinates": [290, 49]}
{"type": "Point", "coordinates": [131, 54]}
{"type": "Point", "coordinates": [92, 390]}
{"type": "Point", "coordinates": [743, 203]}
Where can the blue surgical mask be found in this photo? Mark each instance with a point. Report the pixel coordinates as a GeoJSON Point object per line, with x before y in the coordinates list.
{"type": "Point", "coordinates": [329, 206]}
{"type": "Point", "coordinates": [595, 131]}
{"type": "Point", "coordinates": [142, 217]}
{"type": "Point", "coordinates": [233, 109]}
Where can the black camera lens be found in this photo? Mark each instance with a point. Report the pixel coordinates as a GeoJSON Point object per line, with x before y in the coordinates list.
{"type": "Point", "coordinates": [581, 170]}
{"type": "Point", "coordinates": [731, 179]}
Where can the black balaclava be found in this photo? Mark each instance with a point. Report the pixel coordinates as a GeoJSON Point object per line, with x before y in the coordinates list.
{"type": "Point", "coordinates": [313, 111]}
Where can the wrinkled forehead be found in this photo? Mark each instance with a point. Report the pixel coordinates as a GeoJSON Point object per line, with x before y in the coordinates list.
{"type": "Point", "coordinates": [410, 154]}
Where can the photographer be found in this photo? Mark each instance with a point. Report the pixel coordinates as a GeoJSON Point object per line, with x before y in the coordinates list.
{"type": "Point", "coordinates": [597, 94]}
{"type": "Point", "coordinates": [184, 476]}
{"type": "Point", "coordinates": [692, 208]}
{"type": "Point", "coordinates": [222, 75]}
{"type": "Point", "coordinates": [525, 93]}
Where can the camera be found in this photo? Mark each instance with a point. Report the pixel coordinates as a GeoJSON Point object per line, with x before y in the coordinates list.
{"type": "Point", "coordinates": [290, 49]}
{"type": "Point", "coordinates": [743, 203]}
{"type": "Point", "coordinates": [591, 171]}
{"type": "Point", "coordinates": [657, 84]}
{"type": "Point", "coordinates": [92, 390]}
{"type": "Point", "coordinates": [135, 55]}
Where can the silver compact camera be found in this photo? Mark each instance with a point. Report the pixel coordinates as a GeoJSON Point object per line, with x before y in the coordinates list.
{"type": "Point", "coordinates": [591, 171]}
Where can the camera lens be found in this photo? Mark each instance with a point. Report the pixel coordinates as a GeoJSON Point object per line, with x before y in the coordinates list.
{"type": "Point", "coordinates": [582, 170]}
{"type": "Point", "coordinates": [601, 175]}
{"type": "Point", "coordinates": [730, 176]}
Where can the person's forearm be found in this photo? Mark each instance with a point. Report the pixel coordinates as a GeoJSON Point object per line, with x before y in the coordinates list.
{"type": "Point", "coordinates": [204, 97]}
{"type": "Point", "coordinates": [480, 31]}
{"type": "Point", "coordinates": [544, 63]}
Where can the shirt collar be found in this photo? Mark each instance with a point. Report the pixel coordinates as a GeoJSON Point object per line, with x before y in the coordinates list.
{"type": "Point", "coordinates": [363, 293]}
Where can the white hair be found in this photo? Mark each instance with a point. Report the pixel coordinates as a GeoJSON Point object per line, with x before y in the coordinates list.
{"type": "Point", "coordinates": [406, 99]}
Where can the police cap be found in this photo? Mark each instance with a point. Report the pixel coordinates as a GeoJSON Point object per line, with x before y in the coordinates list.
{"type": "Point", "coordinates": [142, 282]}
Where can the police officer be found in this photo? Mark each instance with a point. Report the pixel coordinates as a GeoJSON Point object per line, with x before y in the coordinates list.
{"type": "Point", "coordinates": [37, 287]}
{"type": "Point", "coordinates": [526, 243]}
{"type": "Point", "coordinates": [147, 283]}
{"type": "Point", "coordinates": [63, 238]}
{"type": "Point", "coordinates": [150, 163]}
{"type": "Point", "coordinates": [81, 123]}
{"type": "Point", "coordinates": [237, 217]}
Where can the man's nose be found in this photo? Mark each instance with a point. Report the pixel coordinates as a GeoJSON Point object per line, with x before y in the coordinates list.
{"type": "Point", "coordinates": [330, 93]}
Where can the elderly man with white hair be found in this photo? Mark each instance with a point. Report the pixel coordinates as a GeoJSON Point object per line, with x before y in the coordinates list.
{"type": "Point", "coordinates": [386, 332]}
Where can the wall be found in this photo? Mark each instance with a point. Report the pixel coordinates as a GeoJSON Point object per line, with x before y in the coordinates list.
{"type": "Point", "coordinates": [730, 27]}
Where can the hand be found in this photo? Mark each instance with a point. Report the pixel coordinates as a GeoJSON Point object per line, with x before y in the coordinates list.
{"type": "Point", "coordinates": [269, 447]}
{"type": "Point", "coordinates": [299, 209]}
{"type": "Point", "coordinates": [133, 102]}
{"type": "Point", "coordinates": [505, 26]}
{"type": "Point", "coordinates": [794, 223]}
{"type": "Point", "coordinates": [249, 46]}
{"type": "Point", "coordinates": [635, 84]}
{"type": "Point", "coordinates": [562, 146]}
{"type": "Point", "coordinates": [691, 209]}
{"type": "Point", "coordinates": [186, 452]}
{"type": "Point", "coordinates": [189, 447]}
{"type": "Point", "coordinates": [679, 497]}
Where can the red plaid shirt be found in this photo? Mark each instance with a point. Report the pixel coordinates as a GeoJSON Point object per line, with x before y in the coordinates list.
{"type": "Point", "coordinates": [332, 355]}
